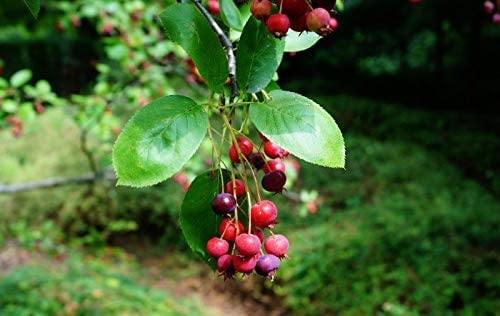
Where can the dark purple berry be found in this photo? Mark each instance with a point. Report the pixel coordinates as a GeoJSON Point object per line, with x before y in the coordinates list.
{"type": "Point", "coordinates": [267, 265]}
{"type": "Point", "coordinates": [223, 204]}
{"type": "Point", "coordinates": [274, 181]}
{"type": "Point", "coordinates": [257, 160]}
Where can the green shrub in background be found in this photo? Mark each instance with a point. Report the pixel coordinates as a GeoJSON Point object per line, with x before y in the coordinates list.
{"type": "Point", "coordinates": [412, 236]}
{"type": "Point", "coordinates": [87, 286]}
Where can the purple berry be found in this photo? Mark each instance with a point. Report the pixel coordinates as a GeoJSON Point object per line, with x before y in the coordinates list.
{"type": "Point", "coordinates": [256, 160]}
{"type": "Point", "coordinates": [267, 265]}
{"type": "Point", "coordinates": [223, 204]}
{"type": "Point", "coordinates": [274, 181]}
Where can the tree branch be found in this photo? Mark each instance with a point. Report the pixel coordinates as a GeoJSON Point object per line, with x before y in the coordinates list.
{"type": "Point", "coordinates": [55, 182]}
{"type": "Point", "coordinates": [227, 44]}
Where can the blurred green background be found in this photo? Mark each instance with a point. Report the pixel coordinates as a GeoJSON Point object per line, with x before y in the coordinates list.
{"type": "Point", "coordinates": [410, 227]}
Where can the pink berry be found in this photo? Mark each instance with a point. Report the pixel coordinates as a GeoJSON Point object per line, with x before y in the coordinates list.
{"type": "Point", "coordinates": [278, 25]}
{"type": "Point", "coordinates": [213, 7]}
{"type": "Point", "coordinates": [264, 213]}
{"type": "Point", "coordinates": [247, 244]}
{"type": "Point", "coordinates": [318, 20]}
{"type": "Point", "coordinates": [334, 24]}
{"type": "Point", "coordinates": [496, 18]}
{"type": "Point", "coordinates": [277, 245]}
{"type": "Point", "coordinates": [217, 247]}
{"type": "Point", "coordinates": [489, 7]}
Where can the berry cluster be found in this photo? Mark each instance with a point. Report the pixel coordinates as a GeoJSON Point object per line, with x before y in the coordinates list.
{"type": "Point", "coordinates": [298, 15]}
{"type": "Point", "coordinates": [493, 10]}
{"type": "Point", "coordinates": [239, 248]}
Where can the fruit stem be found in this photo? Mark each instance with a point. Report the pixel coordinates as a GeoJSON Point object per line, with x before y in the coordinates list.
{"type": "Point", "coordinates": [264, 93]}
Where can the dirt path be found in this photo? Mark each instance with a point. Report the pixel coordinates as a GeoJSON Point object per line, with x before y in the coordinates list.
{"type": "Point", "coordinates": [230, 297]}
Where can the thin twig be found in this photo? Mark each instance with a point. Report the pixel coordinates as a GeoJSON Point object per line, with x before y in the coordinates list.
{"type": "Point", "coordinates": [88, 154]}
{"type": "Point", "coordinates": [55, 182]}
{"type": "Point", "coordinates": [229, 49]}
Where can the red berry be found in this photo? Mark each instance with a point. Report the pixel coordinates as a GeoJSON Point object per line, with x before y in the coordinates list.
{"type": "Point", "coordinates": [240, 187]}
{"type": "Point", "coordinates": [293, 8]}
{"type": "Point", "coordinates": [39, 108]}
{"type": "Point", "coordinates": [261, 9]}
{"type": "Point", "coordinates": [213, 7]}
{"type": "Point", "coordinates": [299, 24]}
{"type": "Point", "coordinates": [274, 151]}
{"type": "Point", "coordinates": [217, 247]}
{"type": "Point", "coordinates": [264, 213]}
{"type": "Point", "coordinates": [267, 265]}
{"type": "Point", "coordinates": [229, 230]}
{"type": "Point", "coordinates": [273, 165]}
{"type": "Point", "coordinates": [246, 146]}
{"type": "Point", "coordinates": [415, 1]}
{"type": "Point", "coordinates": [247, 244]}
{"type": "Point", "coordinates": [244, 264]}
{"type": "Point", "coordinates": [277, 245]}
{"type": "Point", "coordinates": [107, 29]}
{"type": "Point", "coordinates": [278, 25]}
{"type": "Point", "coordinates": [223, 204]}
{"type": "Point", "coordinates": [274, 181]}
{"type": "Point", "coordinates": [259, 233]}
{"type": "Point", "coordinates": [318, 20]}
{"type": "Point", "coordinates": [75, 21]}
{"type": "Point", "coordinates": [233, 154]}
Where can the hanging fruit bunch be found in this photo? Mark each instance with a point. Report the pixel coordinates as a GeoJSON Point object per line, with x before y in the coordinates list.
{"type": "Point", "coordinates": [227, 215]}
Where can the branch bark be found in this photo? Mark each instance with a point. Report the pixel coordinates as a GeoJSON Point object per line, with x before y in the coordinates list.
{"type": "Point", "coordinates": [229, 49]}
{"type": "Point", "coordinates": [55, 182]}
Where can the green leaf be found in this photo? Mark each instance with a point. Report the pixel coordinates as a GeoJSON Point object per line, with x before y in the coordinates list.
{"type": "Point", "coordinates": [158, 140]}
{"type": "Point", "coordinates": [198, 222]}
{"type": "Point", "coordinates": [231, 15]}
{"type": "Point", "coordinates": [33, 6]}
{"type": "Point", "coordinates": [258, 56]}
{"type": "Point", "coordinates": [43, 87]}
{"type": "Point", "coordinates": [300, 126]}
{"type": "Point", "coordinates": [9, 106]}
{"type": "Point", "coordinates": [20, 78]}
{"type": "Point", "coordinates": [296, 42]}
{"type": "Point", "coordinates": [186, 26]}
